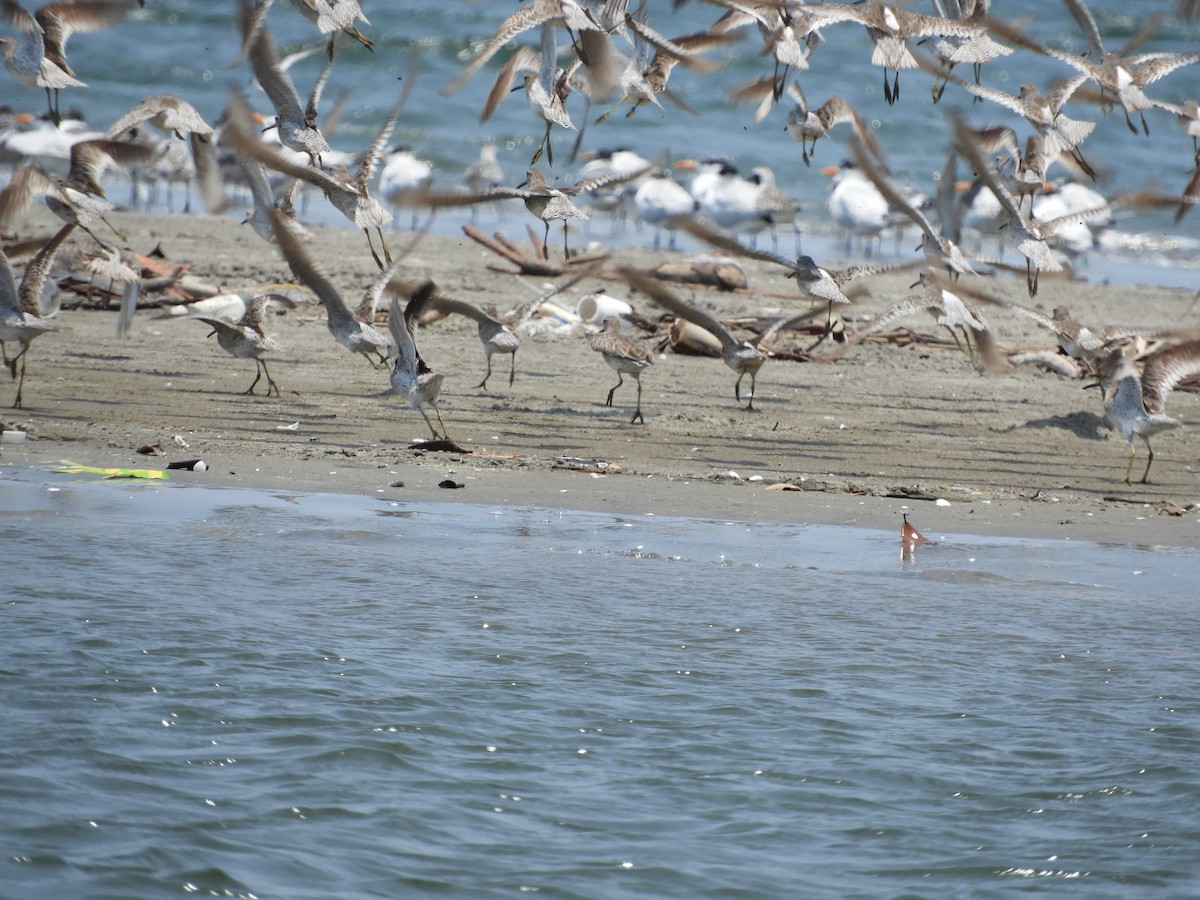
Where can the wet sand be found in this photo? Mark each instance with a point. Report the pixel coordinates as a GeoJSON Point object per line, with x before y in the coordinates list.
{"type": "Point", "coordinates": [882, 430]}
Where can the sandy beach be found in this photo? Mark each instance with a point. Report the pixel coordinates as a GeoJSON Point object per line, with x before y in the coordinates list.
{"type": "Point", "coordinates": [885, 429]}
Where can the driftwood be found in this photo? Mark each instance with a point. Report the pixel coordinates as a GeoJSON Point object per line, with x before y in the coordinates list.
{"type": "Point", "coordinates": [725, 275]}
{"type": "Point", "coordinates": [538, 264]}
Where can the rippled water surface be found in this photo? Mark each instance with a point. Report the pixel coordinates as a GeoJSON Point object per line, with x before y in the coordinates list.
{"type": "Point", "coordinates": [302, 695]}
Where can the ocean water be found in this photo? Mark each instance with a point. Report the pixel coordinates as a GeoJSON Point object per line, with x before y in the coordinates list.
{"type": "Point", "coordinates": [189, 47]}
{"type": "Point", "coordinates": [266, 694]}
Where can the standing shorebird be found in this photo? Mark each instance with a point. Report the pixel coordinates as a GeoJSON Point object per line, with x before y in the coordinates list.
{"type": "Point", "coordinates": [403, 177]}
{"type": "Point", "coordinates": [247, 339]}
{"type": "Point", "coordinates": [663, 202]}
{"type": "Point", "coordinates": [20, 318]}
{"type": "Point", "coordinates": [412, 378]}
{"type": "Point", "coordinates": [744, 357]}
{"type": "Point", "coordinates": [353, 330]}
{"type": "Point", "coordinates": [78, 197]}
{"type": "Point", "coordinates": [495, 336]}
{"type": "Point", "coordinates": [1135, 403]}
{"type": "Point", "coordinates": [626, 356]}
{"type": "Point", "coordinates": [40, 59]}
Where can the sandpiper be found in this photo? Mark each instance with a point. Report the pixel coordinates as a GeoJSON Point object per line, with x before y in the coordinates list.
{"type": "Point", "coordinates": [247, 339]}
{"type": "Point", "coordinates": [295, 125]}
{"type": "Point", "coordinates": [78, 197]}
{"type": "Point", "coordinates": [626, 356]}
{"type": "Point", "coordinates": [353, 330]}
{"type": "Point", "coordinates": [351, 196]}
{"type": "Point", "coordinates": [495, 336]}
{"type": "Point", "coordinates": [412, 378]}
{"type": "Point", "coordinates": [20, 315]}
{"type": "Point", "coordinates": [809, 125]}
{"type": "Point", "coordinates": [265, 204]}
{"type": "Point", "coordinates": [938, 248]}
{"type": "Point", "coordinates": [744, 357]}
{"type": "Point", "coordinates": [40, 59]}
{"type": "Point", "coordinates": [1135, 403]}
{"type": "Point", "coordinates": [329, 17]}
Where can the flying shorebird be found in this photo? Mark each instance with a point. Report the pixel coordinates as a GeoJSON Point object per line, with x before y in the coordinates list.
{"type": "Point", "coordinates": [1030, 235]}
{"type": "Point", "coordinates": [40, 59]}
{"type": "Point", "coordinates": [351, 196]}
{"type": "Point", "coordinates": [495, 335]}
{"type": "Point", "coordinates": [78, 198]}
{"type": "Point", "coordinates": [247, 339]}
{"type": "Point", "coordinates": [1061, 135]}
{"type": "Point", "coordinates": [296, 126]}
{"type": "Point", "coordinates": [553, 13]}
{"type": "Point", "coordinates": [20, 318]}
{"type": "Point", "coordinates": [938, 248]}
{"type": "Point", "coordinates": [353, 330]}
{"type": "Point", "coordinates": [744, 357]}
{"type": "Point", "coordinates": [888, 27]}
{"type": "Point", "coordinates": [544, 201]}
{"type": "Point", "coordinates": [626, 357]}
{"type": "Point", "coordinates": [265, 204]}
{"type": "Point", "coordinates": [1121, 75]}
{"type": "Point", "coordinates": [546, 88]}
{"type": "Point", "coordinates": [1135, 402]}
{"type": "Point", "coordinates": [412, 378]}
{"type": "Point", "coordinates": [808, 125]}
{"type": "Point", "coordinates": [816, 282]}
{"type": "Point", "coordinates": [951, 312]}
{"type": "Point", "coordinates": [329, 17]}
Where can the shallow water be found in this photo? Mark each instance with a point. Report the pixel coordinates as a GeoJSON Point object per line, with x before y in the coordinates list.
{"type": "Point", "coordinates": [304, 695]}
{"type": "Point", "coordinates": [189, 47]}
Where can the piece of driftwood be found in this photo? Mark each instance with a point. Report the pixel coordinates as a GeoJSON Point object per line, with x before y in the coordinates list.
{"type": "Point", "coordinates": [724, 275]}
{"type": "Point", "coordinates": [537, 264]}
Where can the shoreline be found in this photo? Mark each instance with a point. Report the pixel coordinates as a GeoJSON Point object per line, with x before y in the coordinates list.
{"type": "Point", "coordinates": [884, 429]}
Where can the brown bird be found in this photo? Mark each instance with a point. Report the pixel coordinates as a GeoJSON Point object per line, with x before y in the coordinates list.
{"type": "Point", "coordinates": [247, 339]}
{"type": "Point", "coordinates": [40, 60]}
{"type": "Point", "coordinates": [78, 198]}
{"type": "Point", "coordinates": [626, 356]}
{"type": "Point", "coordinates": [20, 318]}
{"type": "Point", "coordinates": [744, 357]}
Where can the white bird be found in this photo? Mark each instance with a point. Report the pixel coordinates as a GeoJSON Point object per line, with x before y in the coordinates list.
{"type": "Point", "coordinates": [403, 176]}
{"type": "Point", "coordinates": [661, 201]}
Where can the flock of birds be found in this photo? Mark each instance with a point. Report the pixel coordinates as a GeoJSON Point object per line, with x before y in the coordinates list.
{"type": "Point", "coordinates": [609, 53]}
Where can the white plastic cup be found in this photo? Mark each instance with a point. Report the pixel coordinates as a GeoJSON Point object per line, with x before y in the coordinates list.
{"type": "Point", "coordinates": [597, 307]}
